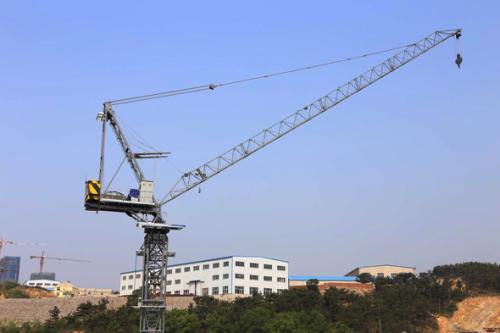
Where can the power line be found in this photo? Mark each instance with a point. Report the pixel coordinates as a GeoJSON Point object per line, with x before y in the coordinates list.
{"type": "Point", "coordinates": [212, 86]}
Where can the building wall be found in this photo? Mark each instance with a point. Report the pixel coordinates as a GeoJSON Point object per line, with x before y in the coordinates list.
{"type": "Point", "coordinates": [9, 268]}
{"type": "Point", "coordinates": [46, 284]}
{"type": "Point", "coordinates": [352, 286]}
{"type": "Point", "coordinates": [94, 292]}
{"type": "Point", "coordinates": [226, 275]}
{"type": "Point", "coordinates": [383, 270]}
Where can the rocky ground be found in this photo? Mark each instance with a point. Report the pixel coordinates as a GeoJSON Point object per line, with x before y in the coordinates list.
{"type": "Point", "coordinates": [473, 314]}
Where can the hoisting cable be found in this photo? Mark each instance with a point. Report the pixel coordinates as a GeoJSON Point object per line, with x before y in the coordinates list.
{"type": "Point", "coordinates": [212, 86]}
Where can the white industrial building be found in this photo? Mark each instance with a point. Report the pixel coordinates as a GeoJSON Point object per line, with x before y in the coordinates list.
{"type": "Point", "coordinates": [224, 275]}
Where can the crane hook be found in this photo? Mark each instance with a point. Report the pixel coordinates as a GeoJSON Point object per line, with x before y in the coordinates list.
{"type": "Point", "coordinates": [458, 60]}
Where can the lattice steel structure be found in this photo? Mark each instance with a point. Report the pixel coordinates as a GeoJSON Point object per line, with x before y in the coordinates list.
{"type": "Point", "coordinates": [155, 258]}
{"type": "Point", "coordinates": [211, 168]}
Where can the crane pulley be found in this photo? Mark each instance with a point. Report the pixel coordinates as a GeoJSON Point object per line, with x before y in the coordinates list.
{"type": "Point", "coordinates": [141, 204]}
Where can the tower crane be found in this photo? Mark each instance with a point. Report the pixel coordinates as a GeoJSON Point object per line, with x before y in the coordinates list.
{"type": "Point", "coordinates": [4, 242]}
{"type": "Point", "coordinates": [43, 257]}
{"type": "Point", "coordinates": [141, 205]}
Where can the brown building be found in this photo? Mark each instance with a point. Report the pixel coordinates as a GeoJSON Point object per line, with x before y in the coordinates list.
{"type": "Point", "coordinates": [348, 283]}
{"type": "Point", "coordinates": [382, 270]}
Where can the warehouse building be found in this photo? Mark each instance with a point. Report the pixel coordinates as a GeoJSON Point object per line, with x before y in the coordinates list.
{"type": "Point", "coordinates": [348, 283]}
{"type": "Point", "coordinates": [382, 270]}
{"type": "Point", "coordinates": [225, 275]}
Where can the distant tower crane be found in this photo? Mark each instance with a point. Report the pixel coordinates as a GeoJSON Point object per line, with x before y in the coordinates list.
{"type": "Point", "coordinates": [141, 205]}
{"type": "Point", "coordinates": [10, 242]}
{"type": "Point", "coordinates": [3, 243]}
{"type": "Point", "coordinates": [42, 259]}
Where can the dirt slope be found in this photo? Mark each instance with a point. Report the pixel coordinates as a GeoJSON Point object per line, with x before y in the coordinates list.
{"type": "Point", "coordinates": [473, 314]}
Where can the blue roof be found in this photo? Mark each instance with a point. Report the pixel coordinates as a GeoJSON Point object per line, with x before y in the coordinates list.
{"type": "Point", "coordinates": [321, 278]}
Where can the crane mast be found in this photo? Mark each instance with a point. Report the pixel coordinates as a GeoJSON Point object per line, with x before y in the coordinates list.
{"type": "Point", "coordinates": [146, 210]}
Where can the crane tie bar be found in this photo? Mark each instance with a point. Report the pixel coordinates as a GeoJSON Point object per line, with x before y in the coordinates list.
{"type": "Point", "coordinates": [213, 86]}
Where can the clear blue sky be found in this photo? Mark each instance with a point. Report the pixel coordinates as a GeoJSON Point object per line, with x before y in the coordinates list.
{"type": "Point", "coordinates": [407, 172]}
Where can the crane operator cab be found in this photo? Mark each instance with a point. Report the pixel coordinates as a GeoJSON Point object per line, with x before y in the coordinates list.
{"type": "Point", "coordinates": [137, 199]}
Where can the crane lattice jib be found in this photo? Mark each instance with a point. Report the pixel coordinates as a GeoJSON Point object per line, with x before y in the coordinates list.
{"type": "Point", "coordinates": [204, 172]}
{"type": "Point", "coordinates": [122, 140]}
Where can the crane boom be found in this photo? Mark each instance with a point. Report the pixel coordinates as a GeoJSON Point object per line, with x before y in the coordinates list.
{"type": "Point", "coordinates": [246, 148]}
{"type": "Point", "coordinates": [42, 259]}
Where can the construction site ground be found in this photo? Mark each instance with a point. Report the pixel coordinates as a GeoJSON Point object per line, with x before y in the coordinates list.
{"type": "Point", "coordinates": [473, 315]}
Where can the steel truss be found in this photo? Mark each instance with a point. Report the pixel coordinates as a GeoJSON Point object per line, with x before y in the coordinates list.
{"type": "Point", "coordinates": [213, 167]}
{"type": "Point", "coordinates": [155, 256]}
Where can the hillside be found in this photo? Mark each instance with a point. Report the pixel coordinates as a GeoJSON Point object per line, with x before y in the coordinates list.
{"type": "Point", "coordinates": [473, 314]}
{"type": "Point", "coordinates": [14, 290]}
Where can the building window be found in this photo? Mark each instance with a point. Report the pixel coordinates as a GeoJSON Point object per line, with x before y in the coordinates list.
{"type": "Point", "coordinates": [254, 277]}
{"type": "Point", "coordinates": [226, 264]}
{"type": "Point", "coordinates": [177, 270]}
{"type": "Point", "coordinates": [380, 275]}
{"type": "Point", "coordinates": [268, 291]}
{"type": "Point", "coordinates": [225, 290]}
{"type": "Point", "coordinates": [281, 268]}
{"type": "Point", "coordinates": [240, 264]}
{"type": "Point", "coordinates": [239, 290]}
{"type": "Point", "coordinates": [169, 282]}
{"type": "Point", "coordinates": [169, 293]}
{"type": "Point", "coordinates": [187, 269]}
{"type": "Point", "coordinates": [196, 268]}
{"type": "Point", "coordinates": [204, 292]}
{"type": "Point", "coordinates": [268, 266]}
{"type": "Point", "coordinates": [131, 276]}
{"type": "Point", "coordinates": [130, 287]}
{"type": "Point", "coordinates": [254, 265]}
{"type": "Point", "coordinates": [169, 271]}
{"type": "Point", "coordinates": [123, 278]}
{"type": "Point", "coordinates": [268, 278]}
{"type": "Point", "coordinates": [177, 292]}
{"type": "Point", "coordinates": [225, 276]}
{"type": "Point", "coordinates": [215, 265]}
{"type": "Point", "coordinates": [186, 292]}
{"type": "Point", "coordinates": [215, 277]}
{"type": "Point", "coordinates": [206, 266]}
{"type": "Point", "coordinates": [281, 291]}
{"type": "Point", "coordinates": [281, 279]}
{"type": "Point", "coordinates": [123, 287]}
{"type": "Point", "coordinates": [254, 290]}
{"type": "Point", "coordinates": [215, 291]}
{"type": "Point", "coordinates": [138, 276]}
{"type": "Point", "coordinates": [177, 281]}
{"type": "Point", "coordinates": [239, 276]}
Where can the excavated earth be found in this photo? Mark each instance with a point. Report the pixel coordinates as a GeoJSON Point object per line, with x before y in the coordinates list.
{"type": "Point", "coordinates": [474, 314]}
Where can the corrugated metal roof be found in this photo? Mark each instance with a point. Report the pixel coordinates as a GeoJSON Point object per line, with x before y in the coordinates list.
{"type": "Point", "coordinates": [211, 259]}
{"type": "Point", "coordinates": [321, 278]}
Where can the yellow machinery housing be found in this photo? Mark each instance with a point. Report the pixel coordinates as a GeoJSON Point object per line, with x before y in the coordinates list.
{"type": "Point", "coordinates": [92, 190]}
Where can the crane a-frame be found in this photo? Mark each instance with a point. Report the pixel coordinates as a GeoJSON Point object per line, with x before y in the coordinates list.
{"type": "Point", "coordinates": [143, 207]}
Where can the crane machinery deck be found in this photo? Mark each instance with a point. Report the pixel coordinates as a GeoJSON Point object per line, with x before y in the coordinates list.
{"type": "Point", "coordinates": [141, 204]}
